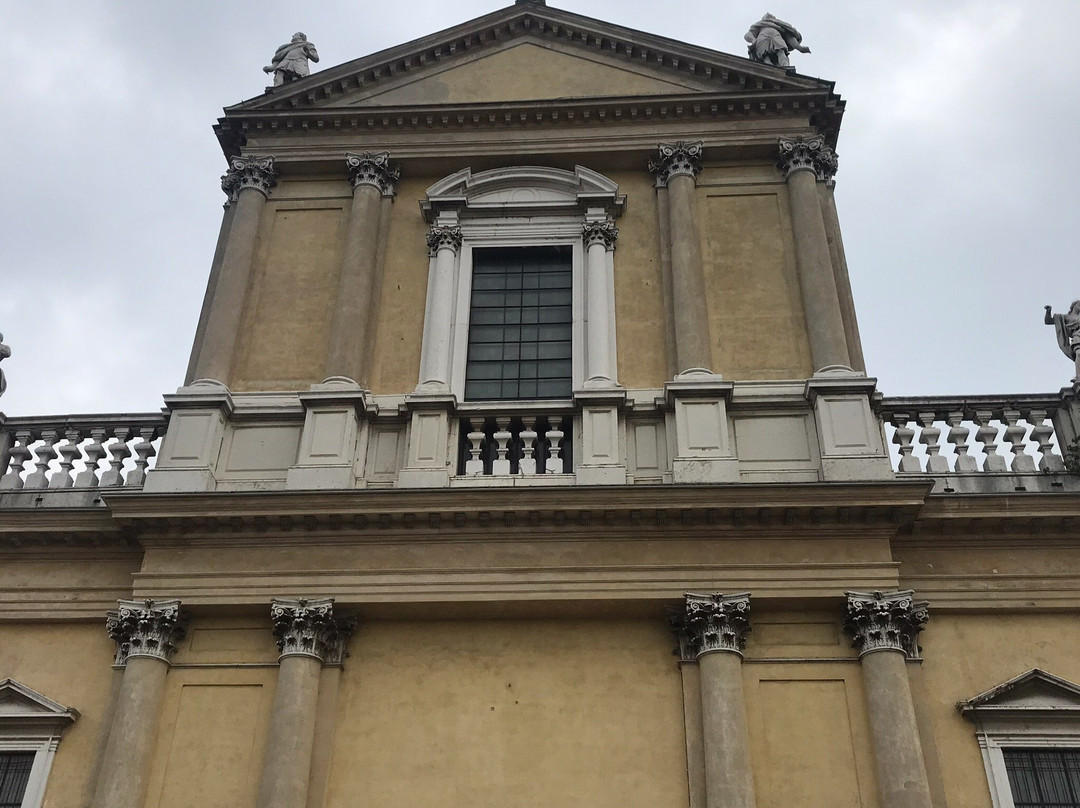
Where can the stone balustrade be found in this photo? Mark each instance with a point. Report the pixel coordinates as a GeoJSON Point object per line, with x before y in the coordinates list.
{"type": "Point", "coordinates": [515, 440]}
{"type": "Point", "coordinates": [978, 435]}
{"type": "Point", "coordinates": [78, 451]}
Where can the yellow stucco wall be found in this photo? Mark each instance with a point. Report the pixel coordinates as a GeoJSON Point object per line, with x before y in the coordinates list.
{"type": "Point", "coordinates": [525, 72]}
{"type": "Point", "coordinates": [70, 663]}
{"type": "Point", "coordinates": [506, 713]}
{"type": "Point", "coordinates": [967, 654]}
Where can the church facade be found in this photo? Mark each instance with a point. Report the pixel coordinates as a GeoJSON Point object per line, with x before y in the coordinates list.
{"type": "Point", "coordinates": [527, 456]}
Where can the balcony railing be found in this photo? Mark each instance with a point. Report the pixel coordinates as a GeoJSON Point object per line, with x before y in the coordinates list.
{"type": "Point", "coordinates": [516, 440]}
{"type": "Point", "coordinates": [974, 435]}
{"type": "Point", "coordinates": [78, 451]}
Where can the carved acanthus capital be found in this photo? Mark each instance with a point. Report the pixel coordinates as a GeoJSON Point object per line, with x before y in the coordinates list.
{"type": "Point", "coordinates": [807, 154]}
{"type": "Point", "coordinates": [373, 168]}
{"type": "Point", "coordinates": [251, 171]}
{"type": "Point", "coordinates": [711, 623]}
{"type": "Point", "coordinates": [146, 628]}
{"type": "Point", "coordinates": [605, 233]}
{"type": "Point", "coordinates": [675, 159]}
{"type": "Point", "coordinates": [886, 621]}
{"type": "Point", "coordinates": [443, 238]}
{"type": "Point", "coordinates": [308, 628]}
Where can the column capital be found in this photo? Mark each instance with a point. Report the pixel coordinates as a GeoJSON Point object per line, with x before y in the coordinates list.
{"type": "Point", "coordinates": [374, 169]}
{"type": "Point", "coordinates": [146, 628]}
{"type": "Point", "coordinates": [678, 158]}
{"type": "Point", "coordinates": [807, 154]}
{"type": "Point", "coordinates": [605, 233]}
{"type": "Point", "coordinates": [249, 171]}
{"type": "Point", "coordinates": [712, 623]}
{"type": "Point", "coordinates": [307, 627]}
{"type": "Point", "coordinates": [443, 238]}
{"type": "Point", "coordinates": [886, 621]}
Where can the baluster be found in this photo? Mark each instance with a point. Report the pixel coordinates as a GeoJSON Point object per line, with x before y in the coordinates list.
{"type": "Point", "coordinates": [527, 464]}
{"type": "Point", "coordinates": [475, 463]}
{"type": "Point", "coordinates": [554, 438]}
{"type": "Point", "coordinates": [1022, 463]}
{"type": "Point", "coordinates": [903, 438]}
{"type": "Point", "coordinates": [118, 453]}
{"type": "Point", "coordinates": [986, 434]}
{"type": "Point", "coordinates": [1042, 433]}
{"type": "Point", "coordinates": [20, 453]}
{"type": "Point", "coordinates": [69, 453]}
{"type": "Point", "coordinates": [931, 439]}
{"type": "Point", "coordinates": [960, 435]}
{"type": "Point", "coordinates": [46, 453]}
{"type": "Point", "coordinates": [144, 450]}
{"type": "Point", "coordinates": [502, 436]}
{"type": "Point", "coordinates": [94, 451]}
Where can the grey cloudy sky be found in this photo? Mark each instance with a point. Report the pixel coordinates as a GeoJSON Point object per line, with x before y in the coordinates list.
{"type": "Point", "coordinates": [956, 189]}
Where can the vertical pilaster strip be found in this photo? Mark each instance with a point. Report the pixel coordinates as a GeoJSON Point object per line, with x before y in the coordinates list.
{"type": "Point", "coordinates": [308, 635]}
{"type": "Point", "coordinates": [713, 629]}
{"type": "Point", "coordinates": [444, 244]}
{"type": "Point", "coordinates": [804, 161]}
{"type": "Point", "coordinates": [211, 290]}
{"type": "Point", "coordinates": [599, 240]}
{"type": "Point", "coordinates": [827, 191]}
{"type": "Point", "coordinates": [248, 182]}
{"type": "Point", "coordinates": [676, 169]}
{"type": "Point", "coordinates": [373, 178]}
{"type": "Point", "coordinates": [884, 627]}
{"type": "Point", "coordinates": [146, 633]}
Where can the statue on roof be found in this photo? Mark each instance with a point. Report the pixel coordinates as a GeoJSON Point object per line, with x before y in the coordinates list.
{"type": "Point", "coordinates": [5, 352]}
{"type": "Point", "coordinates": [290, 62]}
{"type": "Point", "coordinates": [1067, 327]}
{"type": "Point", "coordinates": [771, 40]}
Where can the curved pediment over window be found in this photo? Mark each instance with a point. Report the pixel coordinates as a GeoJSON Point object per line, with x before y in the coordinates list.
{"type": "Point", "coordinates": [523, 190]}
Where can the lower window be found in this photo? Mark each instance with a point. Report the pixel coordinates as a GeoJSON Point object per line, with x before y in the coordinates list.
{"type": "Point", "coordinates": [1044, 778]}
{"type": "Point", "coordinates": [15, 770]}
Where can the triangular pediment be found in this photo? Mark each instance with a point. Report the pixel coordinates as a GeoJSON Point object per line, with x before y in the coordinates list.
{"type": "Point", "coordinates": [1034, 692]}
{"type": "Point", "coordinates": [24, 707]}
{"type": "Point", "coordinates": [529, 52]}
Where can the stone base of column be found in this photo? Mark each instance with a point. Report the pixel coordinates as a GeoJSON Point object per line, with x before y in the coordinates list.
{"type": "Point", "coordinates": [704, 448]}
{"type": "Point", "coordinates": [428, 462]}
{"type": "Point", "coordinates": [851, 439]}
{"type": "Point", "coordinates": [333, 441]}
{"type": "Point", "coordinates": [603, 437]}
{"type": "Point", "coordinates": [189, 452]}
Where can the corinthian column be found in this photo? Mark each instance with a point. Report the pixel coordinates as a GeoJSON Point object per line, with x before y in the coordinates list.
{"type": "Point", "coordinates": [373, 180]}
{"type": "Point", "coordinates": [713, 630]}
{"type": "Point", "coordinates": [444, 243]}
{"type": "Point", "coordinates": [804, 161]}
{"type": "Point", "coordinates": [146, 633]}
{"type": "Point", "coordinates": [247, 182]}
{"type": "Point", "coordinates": [676, 169]}
{"type": "Point", "coordinates": [600, 240]}
{"type": "Point", "coordinates": [884, 628]}
{"type": "Point", "coordinates": [308, 636]}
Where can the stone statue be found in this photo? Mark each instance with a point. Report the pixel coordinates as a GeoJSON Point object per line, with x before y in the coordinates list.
{"type": "Point", "coordinates": [771, 40]}
{"type": "Point", "coordinates": [5, 352]}
{"type": "Point", "coordinates": [291, 61]}
{"type": "Point", "coordinates": [1067, 327]}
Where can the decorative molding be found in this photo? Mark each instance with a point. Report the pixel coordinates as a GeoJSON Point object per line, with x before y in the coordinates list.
{"type": "Point", "coordinates": [31, 722]}
{"type": "Point", "coordinates": [443, 238]}
{"type": "Point", "coordinates": [712, 623]}
{"type": "Point", "coordinates": [605, 233]}
{"type": "Point", "coordinates": [307, 627]}
{"type": "Point", "coordinates": [251, 171]}
{"type": "Point", "coordinates": [886, 621]}
{"type": "Point", "coordinates": [807, 154]}
{"type": "Point", "coordinates": [675, 159]}
{"type": "Point", "coordinates": [146, 628]}
{"type": "Point", "coordinates": [373, 168]}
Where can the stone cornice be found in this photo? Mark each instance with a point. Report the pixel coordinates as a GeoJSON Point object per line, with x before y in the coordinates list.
{"type": "Point", "coordinates": [822, 108]}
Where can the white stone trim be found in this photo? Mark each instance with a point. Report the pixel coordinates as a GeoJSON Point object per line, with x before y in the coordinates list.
{"type": "Point", "coordinates": [32, 723]}
{"type": "Point", "coordinates": [992, 744]}
{"type": "Point", "coordinates": [45, 751]}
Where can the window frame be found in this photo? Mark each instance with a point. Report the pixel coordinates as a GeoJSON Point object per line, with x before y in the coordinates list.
{"type": "Point", "coordinates": [37, 729]}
